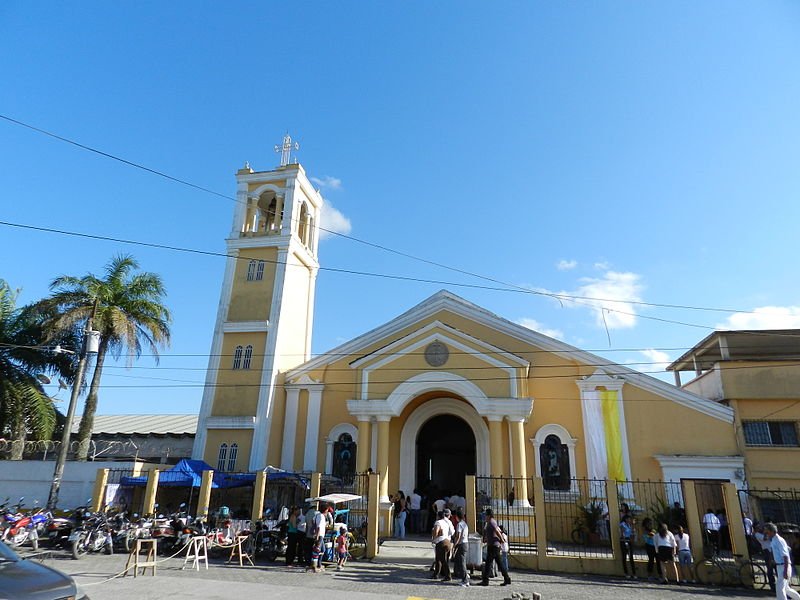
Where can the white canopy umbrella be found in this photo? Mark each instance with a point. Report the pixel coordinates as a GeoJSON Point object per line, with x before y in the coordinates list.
{"type": "Point", "coordinates": [334, 498]}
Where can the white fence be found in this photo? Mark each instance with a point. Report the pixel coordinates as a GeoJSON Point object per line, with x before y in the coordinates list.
{"type": "Point", "coordinates": [32, 479]}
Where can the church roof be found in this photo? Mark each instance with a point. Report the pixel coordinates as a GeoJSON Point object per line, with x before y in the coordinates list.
{"type": "Point", "coordinates": [141, 425]}
{"type": "Point", "coordinates": [446, 300]}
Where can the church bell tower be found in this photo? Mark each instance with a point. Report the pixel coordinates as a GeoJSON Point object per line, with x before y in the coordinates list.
{"type": "Point", "coordinates": [265, 313]}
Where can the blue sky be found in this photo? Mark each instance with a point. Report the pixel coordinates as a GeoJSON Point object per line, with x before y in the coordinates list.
{"type": "Point", "coordinates": [623, 150]}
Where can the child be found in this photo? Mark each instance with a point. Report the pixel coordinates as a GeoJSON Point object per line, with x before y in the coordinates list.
{"type": "Point", "coordinates": [341, 549]}
{"type": "Point", "coordinates": [316, 551]}
{"type": "Point", "coordinates": [684, 554]}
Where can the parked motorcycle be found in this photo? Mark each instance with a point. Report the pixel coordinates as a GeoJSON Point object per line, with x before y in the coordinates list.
{"type": "Point", "coordinates": [93, 535]}
{"type": "Point", "coordinates": [20, 527]}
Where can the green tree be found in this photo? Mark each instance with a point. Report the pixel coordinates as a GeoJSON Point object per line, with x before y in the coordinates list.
{"type": "Point", "coordinates": [25, 409]}
{"type": "Point", "coordinates": [126, 308]}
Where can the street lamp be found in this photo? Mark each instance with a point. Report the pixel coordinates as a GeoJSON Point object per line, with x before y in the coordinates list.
{"type": "Point", "coordinates": [91, 343]}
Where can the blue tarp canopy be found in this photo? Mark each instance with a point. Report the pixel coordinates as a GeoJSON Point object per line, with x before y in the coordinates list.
{"type": "Point", "coordinates": [189, 473]}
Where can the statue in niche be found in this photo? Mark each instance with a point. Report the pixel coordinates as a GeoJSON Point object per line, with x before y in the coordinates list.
{"type": "Point", "coordinates": [344, 450]}
{"type": "Point", "coordinates": [554, 462]}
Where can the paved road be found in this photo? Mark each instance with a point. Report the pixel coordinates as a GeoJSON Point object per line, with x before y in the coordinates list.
{"type": "Point", "coordinates": [395, 578]}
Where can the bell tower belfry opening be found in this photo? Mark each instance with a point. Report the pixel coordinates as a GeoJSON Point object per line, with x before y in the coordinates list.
{"type": "Point", "coordinates": [265, 315]}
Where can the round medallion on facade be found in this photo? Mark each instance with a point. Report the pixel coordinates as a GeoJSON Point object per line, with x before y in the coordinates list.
{"type": "Point", "coordinates": [436, 354]}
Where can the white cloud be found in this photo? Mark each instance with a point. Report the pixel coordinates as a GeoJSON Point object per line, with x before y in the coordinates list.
{"type": "Point", "coordinates": [333, 221]}
{"type": "Point", "coordinates": [328, 182]}
{"type": "Point", "coordinates": [659, 359]}
{"type": "Point", "coordinates": [764, 317]}
{"type": "Point", "coordinates": [610, 298]}
{"type": "Point", "coordinates": [566, 265]}
{"type": "Point", "coordinates": [602, 266]}
{"type": "Point", "coordinates": [536, 326]}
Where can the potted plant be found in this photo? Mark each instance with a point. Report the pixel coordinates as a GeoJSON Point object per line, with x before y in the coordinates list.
{"type": "Point", "coordinates": [591, 518]}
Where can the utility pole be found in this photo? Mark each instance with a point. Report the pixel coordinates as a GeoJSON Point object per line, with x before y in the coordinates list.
{"type": "Point", "coordinates": [91, 341]}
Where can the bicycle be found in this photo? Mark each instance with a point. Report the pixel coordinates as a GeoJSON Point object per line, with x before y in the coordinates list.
{"type": "Point", "coordinates": [714, 570]}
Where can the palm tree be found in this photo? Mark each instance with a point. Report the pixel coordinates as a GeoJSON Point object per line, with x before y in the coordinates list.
{"type": "Point", "coordinates": [125, 307]}
{"type": "Point", "coordinates": [25, 409]}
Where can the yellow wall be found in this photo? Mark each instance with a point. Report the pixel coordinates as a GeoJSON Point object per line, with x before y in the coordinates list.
{"type": "Point", "coordinates": [242, 437]}
{"type": "Point", "coordinates": [237, 390]}
{"type": "Point", "coordinates": [251, 300]}
{"type": "Point", "coordinates": [743, 379]}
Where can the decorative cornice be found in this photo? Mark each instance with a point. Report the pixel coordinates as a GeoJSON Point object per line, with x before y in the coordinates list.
{"type": "Point", "coordinates": [245, 326]}
{"type": "Point", "coordinates": [230, 422]}
{"type": "Point", "coordinates": [304, 382]}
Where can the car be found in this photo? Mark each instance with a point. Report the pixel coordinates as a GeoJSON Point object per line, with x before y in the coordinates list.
{"type": "Point", "coordinates": [25, 579]}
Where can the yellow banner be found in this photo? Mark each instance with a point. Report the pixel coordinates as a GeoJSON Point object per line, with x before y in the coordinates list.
{"type": "Point", "coordinates": [616, 465]}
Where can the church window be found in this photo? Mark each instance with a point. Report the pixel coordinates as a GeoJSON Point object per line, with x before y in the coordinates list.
{"type": "Point", "coordinates": [251, 270]}
{"type": "Point", "coordinates": [234, 451]}
{"type": "Point", "coordinates": [554, 461]}
{"type": "Point", "coordinates": [260, 270]}
{"type": "Point", "coordinates": [223, 454]}
{"type": "Point", "coordinates": [248, 356]}
{"type": "Point", "coordinates": [237, 357]}
{"type": "Point", "coordinates": [344, 457]}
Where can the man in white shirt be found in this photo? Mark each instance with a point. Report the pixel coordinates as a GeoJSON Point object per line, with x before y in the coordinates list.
{"type": "Point", "coordinates": [414, 505]}
{"type": "Point", "coordinates": [442, 533]}
{"type": "Point", "coordinates": [712, 524]}
{"type": "Point", "coordinates": [783, 563]}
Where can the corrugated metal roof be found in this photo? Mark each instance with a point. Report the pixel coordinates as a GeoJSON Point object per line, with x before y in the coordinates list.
{"type": "Point", "coordinates": [141, 424]}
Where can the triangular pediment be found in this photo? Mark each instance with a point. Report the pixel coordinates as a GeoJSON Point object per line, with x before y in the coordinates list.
{"type": "Point", "coordinates": [436, 307]}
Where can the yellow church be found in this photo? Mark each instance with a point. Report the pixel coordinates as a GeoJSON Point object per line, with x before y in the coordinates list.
{"type": "Point", "coordinates": [444, 390]}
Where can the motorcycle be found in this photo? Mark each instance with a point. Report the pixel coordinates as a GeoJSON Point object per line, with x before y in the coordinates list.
{"type": "Point", "coordinates": [270, 543]}
{"type": "Point", "coordinates": [59, 528]}
{"type": "Point", "coordinates": [21, 528]}
{"type": "Point", "coordinates": [93, 535]}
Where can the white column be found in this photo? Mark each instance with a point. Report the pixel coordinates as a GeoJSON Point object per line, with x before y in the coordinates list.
{"type": "Point", "coordinates": [290, 428]}
{"type": "Point", "coordinates": [312, 428]}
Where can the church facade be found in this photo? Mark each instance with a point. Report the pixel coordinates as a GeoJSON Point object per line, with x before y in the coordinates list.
{"type": "Point", "coordinates": [443, 390]}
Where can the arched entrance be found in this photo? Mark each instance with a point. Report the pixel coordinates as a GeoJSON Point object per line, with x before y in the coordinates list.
{"type": "Point", "coordinates": [415, 422]}
{"type": "Point", "coordinates": [445, 453]}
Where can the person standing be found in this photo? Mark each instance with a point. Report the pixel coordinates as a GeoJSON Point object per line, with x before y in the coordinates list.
{"type": "Point", "coordinates": [415, 510]}
{"type": "Point", "coordinates": [460, 542]}
{"type": "Point", "coordinates": [292, 536]}
{"type": "Point", "coordinates": [712, 525]}
{"type": "Point", "coordinates": [320, 525]}
{"type": "Point", "coordinates": [440, 538]}
{"type": "Point", "coordinates": [627, 536]}
{"type": "Point", "coordinates": [311, 533]}
{"type": "Point", "coordinates": [400, 514]}
{"type": "Point", "coordinates": [766, 553]}
{"type": "Point", "coordinates": [783, 563]}
{"type": "Point", "coordinates": [493, 538]}
{"type": "Point", "coordinates": [649, 535]}
{"type": "Point", "coordinates": [665, 551]}
{"type": "Point", "coordinates": [341, 548]}
{"type": "Point", "coordinates": [684, 554]}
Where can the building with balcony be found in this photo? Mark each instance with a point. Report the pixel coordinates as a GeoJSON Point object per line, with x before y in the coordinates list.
{"type": "Point", "coordinates": [757, 374]}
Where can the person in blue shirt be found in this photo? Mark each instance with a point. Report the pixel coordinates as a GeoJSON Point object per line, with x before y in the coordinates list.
{"type": "Point", "coordinates": [627, 536]}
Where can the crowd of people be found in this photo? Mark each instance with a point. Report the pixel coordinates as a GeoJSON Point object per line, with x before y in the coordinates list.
{"type": "Point", "coordinates": [306, 537]}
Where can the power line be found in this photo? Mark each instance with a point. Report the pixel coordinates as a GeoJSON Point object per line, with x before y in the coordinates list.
{"type": "Point", "coordinates": [507, 286]}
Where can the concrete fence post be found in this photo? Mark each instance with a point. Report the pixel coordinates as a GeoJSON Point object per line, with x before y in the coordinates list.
{"type": "Point", "coordinates": [540, 516]}
{"type": "Point", "coordinates": [204, 499]}
{"type": "Point", "coordinates": [472, 504]}
{"type": "Point", "coordinates": [733, 510]}
{"type": "Point", "coordinates": [150, 491]}
{"type": "Point", "coordinates": [259, 488]}
{"type": "Point", "coordinates": [373, 518]}
{"type": "Point", "coordinates": [99, 492]}
{"type": "Point", "coordinates": [693, 522]}
{"type": "Point", "coordinates": [612, 496]}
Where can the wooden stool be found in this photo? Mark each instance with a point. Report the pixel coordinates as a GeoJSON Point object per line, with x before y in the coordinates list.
{"type": "Point", "coordinates": [149, 561]}
{"type": "Point", "coordinates": [197, 551]}
{"type": "Point", "coordinates": [237, 550]}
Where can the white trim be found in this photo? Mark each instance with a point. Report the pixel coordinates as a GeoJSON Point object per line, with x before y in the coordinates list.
{"type": "Point", "coordinates": [433, 408]}
{"type": "Point", "coordinates": [566, 438]}
{"type": "Point", "coordinates": [331, 438]}
{"type": "Point", "coordinates": [230, 422]}
{"type": "Point", "coordinates": [395, 354]}
{"type": "Point", "coordinates": [448, 301]}
{"type": "Point", "coordinates": [245, 326]}
{"type": "Point", "coordinates": [289, 428]}
{"type": "Point", "coordinates": [215, 358]}
{"type": "Point", "coordinates": [373, 461]}
{"type": "Point", "coordinates": [676, 468]}
{"type": "Point", "coordinates": [312, 428]}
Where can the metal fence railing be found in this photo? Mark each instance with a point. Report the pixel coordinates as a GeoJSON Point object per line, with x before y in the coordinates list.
{"type": "Point", "coordinates": [651, 503]}
{"type": "Point", "coordinates": [353, 512]}
{"type": "Point", "coordinates": [510, 500]}
{"type": "Point", "coordinates": [577, 521]}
